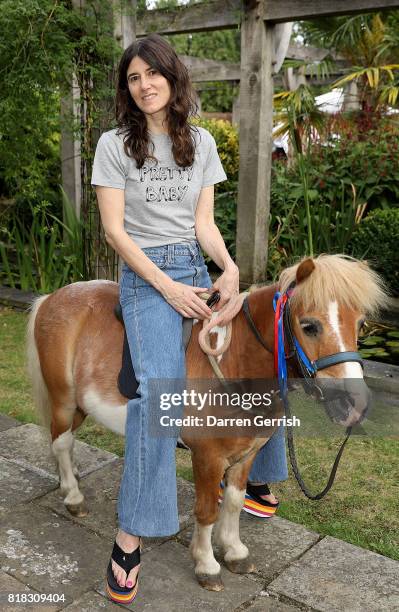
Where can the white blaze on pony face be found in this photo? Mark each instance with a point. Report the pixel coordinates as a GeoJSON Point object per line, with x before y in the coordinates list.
{"type": "Point", "coordinates": [352, 369]}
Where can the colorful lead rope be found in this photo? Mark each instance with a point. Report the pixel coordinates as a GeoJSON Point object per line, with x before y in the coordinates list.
{"type": "Point", "coordinates": [280, 364]}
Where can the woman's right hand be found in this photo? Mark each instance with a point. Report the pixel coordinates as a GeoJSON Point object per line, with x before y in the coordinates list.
{"type": "Point", "coordinates": [185, 300]}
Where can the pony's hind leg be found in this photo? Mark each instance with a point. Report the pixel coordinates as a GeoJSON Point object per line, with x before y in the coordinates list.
{"type": "Point", "coordinates": [78, 419]}
{"type": "Point", "coordinates": [227, 530]}
{"type": "Point", "coordinates": [63, 422]}
{"type": "Point", "coordinates": [207, 476]}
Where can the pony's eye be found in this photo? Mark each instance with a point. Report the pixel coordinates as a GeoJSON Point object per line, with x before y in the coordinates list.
{"type": "Point", "coordinates": [362, 326]}
{"type": "Point", "coordinates": [310, 329]}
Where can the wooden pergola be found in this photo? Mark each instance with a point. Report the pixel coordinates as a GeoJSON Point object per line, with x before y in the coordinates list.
{"type": "Point", "coordinates": [259, 21]}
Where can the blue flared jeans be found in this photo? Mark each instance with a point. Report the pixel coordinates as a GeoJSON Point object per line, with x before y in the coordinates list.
{"type": "Point", "coordinates": [147, 503]}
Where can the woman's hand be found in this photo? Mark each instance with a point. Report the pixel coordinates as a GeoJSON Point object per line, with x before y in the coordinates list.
{"type": "Point", "coordinates": [185, 300]}
{"type": "Point", "coordinates": [228, 286]}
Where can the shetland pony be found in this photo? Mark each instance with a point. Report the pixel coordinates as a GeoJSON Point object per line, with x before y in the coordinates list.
{"type": "Point", "coordinates": [74, 344]}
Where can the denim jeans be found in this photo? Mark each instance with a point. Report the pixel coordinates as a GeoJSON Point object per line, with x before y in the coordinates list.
{"type": "Point", "coordinates": [147, 503]}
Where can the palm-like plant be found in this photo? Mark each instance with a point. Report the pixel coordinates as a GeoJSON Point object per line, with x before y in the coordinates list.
{"type": "Point", "coordinates": [370, 43]}
{"type": "Point", "coordinates": [298, 114]}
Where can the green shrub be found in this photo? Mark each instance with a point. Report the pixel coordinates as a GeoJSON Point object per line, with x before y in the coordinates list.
{"type": "Point", "coordinates": [376, 239]}
{"type": "Point", "coordinates": [345, 179]}
{"type": "Point", "coordinates": [369, 162]}
{"type": "Point", "coordinates": [47, 254]}
{"type": "Point", "coordinates": [226, 137]}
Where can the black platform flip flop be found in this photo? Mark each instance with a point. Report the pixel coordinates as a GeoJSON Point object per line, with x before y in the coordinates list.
{"type": "Point", "coordinates": [127, 562]}
{"type": "Point", "coordinates": [257, 506]}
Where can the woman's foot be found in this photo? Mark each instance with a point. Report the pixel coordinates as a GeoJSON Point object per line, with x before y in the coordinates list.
{"type": "Point", "coordinates": [270, 497]}
{"type": "Point", "coordinates": [128, 544]}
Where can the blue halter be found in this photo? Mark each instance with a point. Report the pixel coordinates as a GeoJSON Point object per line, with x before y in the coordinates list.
{"type": "Point", "coordinates": [282, 328]}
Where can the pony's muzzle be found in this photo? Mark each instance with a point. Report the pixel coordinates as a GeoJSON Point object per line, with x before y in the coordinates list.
{"type": "Point", "coordinates": [346, 400]}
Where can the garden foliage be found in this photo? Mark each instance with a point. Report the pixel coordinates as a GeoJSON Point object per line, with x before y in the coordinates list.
{"type": "Point", "coordinates": [226, 137]}
{"type": "Point", "coordinates": [42, 44]}
{"type": "Point", "coordinates": [347, 178]}
{"type": "Point", "coordinates": [322, 200]}
{"type": "Point", "coordinates": [349, 174]}
{"type": "Point", "coordinates": [376, 239]}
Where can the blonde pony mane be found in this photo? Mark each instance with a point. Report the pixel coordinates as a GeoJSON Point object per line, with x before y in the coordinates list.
{"type": "Point", "coordinates": [336, 278]}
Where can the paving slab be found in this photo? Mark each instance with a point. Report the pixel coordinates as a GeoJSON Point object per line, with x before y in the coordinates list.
{"type": "Point", "coordinates": [272, 543]}
{"type": "Point", "coordinates": [30, 445]}
{"type": "Point", "coordinates": [6, 422]}
{"type": "Point", "coordinates": [91, 602]}
{"type": "Point", "coordinates": [10, 587]}
{"type": "Point", "coordinates": [335, 576]}
{"type": "Point", "coordinates": [382, 376]}
{"type": "Point", "coordinates": [16, 299]}
{"type": "Point", "coordinates": [265, 603]}
{"type": "Point", "coordinates": [19, 484]}
{"type": "Point", "coordinates": [50, 553]}
{"type": "Point", "coordinates": [168, 584]}
{"type": "Point", "coordinates": [101, 490]}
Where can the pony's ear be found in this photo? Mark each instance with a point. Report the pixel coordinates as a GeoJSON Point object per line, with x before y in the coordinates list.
{"type": "Point", "coordinates": [304, 270]}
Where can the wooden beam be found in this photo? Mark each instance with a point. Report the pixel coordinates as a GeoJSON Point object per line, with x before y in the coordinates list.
{"type": "Point", "coordinates": [201, 17]}
{"type": "Point", "coordinates": [298, 10]}
{"type": "Point", "coordinates": [302, 52]}
{"type": "Point", "coordinates": [201, 69]}
{"type": "Point", "coordinates": [256, 115]}
{"type": "Point", "coordinates": [226, 14]}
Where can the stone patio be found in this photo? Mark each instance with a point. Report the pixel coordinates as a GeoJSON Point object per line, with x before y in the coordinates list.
{"type": "Point", "coordinates": [45, 550]}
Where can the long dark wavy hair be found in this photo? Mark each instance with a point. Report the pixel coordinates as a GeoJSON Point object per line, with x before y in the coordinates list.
{"type": "Point", "coordinates": [158, 54]}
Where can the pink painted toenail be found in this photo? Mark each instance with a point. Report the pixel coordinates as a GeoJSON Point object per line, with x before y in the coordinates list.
{"type": "Point", "coordinates": [129, 583]}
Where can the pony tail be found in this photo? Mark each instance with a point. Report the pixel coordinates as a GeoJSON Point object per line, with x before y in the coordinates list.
{"type": "Point", "coordinates": [40, 393]}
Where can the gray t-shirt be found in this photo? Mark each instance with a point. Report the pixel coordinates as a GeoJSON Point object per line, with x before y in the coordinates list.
{"type": "Point", "coordinates": [161, 197]}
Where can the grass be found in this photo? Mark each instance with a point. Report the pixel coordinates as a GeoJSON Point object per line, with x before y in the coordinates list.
{"type": "Point", "coordinates": [360, 509]}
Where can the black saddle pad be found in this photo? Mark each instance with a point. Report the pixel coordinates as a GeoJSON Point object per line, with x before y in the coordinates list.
{"type": "Point", "coordinates": [127, 382]}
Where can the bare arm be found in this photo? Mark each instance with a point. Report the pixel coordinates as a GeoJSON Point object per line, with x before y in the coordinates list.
{"type": "Point", "coordinates": [182, 297]}
{"type": "Point", "coordinates": [210, 239]}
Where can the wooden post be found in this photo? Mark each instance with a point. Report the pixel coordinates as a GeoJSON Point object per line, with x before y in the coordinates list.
{"type": "Point", "coordinates": [70, 143]}
{"type": "Point", "coordinates": [125, 21]}
{"type": "Point", "coordinates": [125, 33]}
{"type": "Point", "coordinates": [256, 119]}
{"type": "Point", "coordinates": [70, 147]}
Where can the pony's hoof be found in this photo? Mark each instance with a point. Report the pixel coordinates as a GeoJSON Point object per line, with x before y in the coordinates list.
{"type": "Point", "coordinates": [241, 566]}
{"type": "Point", "coordinates": [211, 582]}
{"type": "Point", "coordinates": [78, 510]}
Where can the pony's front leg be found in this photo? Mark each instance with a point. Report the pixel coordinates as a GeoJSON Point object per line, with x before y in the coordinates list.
{"type": "Point", "coordinates": [227, 529]}
{"type": "Point", "coordinates": [207, 569]}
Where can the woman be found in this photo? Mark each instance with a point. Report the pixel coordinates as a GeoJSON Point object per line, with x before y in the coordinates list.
{"type": "Point", "coordinates": [154, 179]}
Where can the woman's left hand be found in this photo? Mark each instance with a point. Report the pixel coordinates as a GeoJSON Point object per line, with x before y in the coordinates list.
{"type": "Point", "coordinates": [228, 286]}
